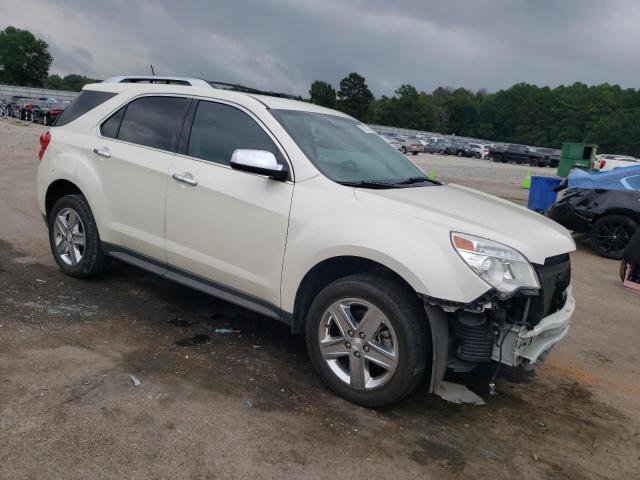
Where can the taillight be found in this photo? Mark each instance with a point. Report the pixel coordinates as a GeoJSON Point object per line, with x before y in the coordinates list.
{"type": "Point", "coordinates": [45, 138]}
{"type": "Point", "coordinates": [602, 164]}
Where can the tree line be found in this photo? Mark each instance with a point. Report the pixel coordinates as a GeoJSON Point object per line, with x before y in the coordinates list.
{"type": "Point", "coordinates": [606, 115]}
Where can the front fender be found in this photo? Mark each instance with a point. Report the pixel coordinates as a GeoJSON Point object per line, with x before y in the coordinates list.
{"type": "Point", "coordinates": [342, 225]}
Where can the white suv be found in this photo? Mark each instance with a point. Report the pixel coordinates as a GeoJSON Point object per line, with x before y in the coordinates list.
{"type": "Point", "coordinates": [305, 215]}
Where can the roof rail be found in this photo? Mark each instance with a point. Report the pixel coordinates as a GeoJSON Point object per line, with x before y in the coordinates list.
{"type": "Point", "coordinates": [193, 82]}
{"type": "Point", "coordinates": [255, 91]}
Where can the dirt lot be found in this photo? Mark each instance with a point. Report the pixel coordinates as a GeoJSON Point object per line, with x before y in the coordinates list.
{"type": "Point", "coordinates": [246, 405]}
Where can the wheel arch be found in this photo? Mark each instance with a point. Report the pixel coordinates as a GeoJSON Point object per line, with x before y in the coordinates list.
{"type": "Point", "coordinates": [58, 189]}
{"type": "Point", "coordinates": [617, 211]}
{"type": "Point", "coordinates": [330, 269]}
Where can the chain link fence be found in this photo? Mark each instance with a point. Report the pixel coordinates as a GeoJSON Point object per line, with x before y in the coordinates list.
{"type": "Point", "coordinates": [7, 91]}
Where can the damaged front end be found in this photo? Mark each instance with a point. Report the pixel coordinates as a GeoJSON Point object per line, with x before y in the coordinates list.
{"type": "Point", "coordinates": [518, 330]}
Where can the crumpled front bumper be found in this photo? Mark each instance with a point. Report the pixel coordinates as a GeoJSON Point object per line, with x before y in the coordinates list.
{"type": "Point", "coordinates": [530, 345]}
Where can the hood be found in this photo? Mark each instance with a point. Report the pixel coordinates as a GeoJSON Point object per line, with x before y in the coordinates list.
{"type": "Point", "coordinates": [460, 209]}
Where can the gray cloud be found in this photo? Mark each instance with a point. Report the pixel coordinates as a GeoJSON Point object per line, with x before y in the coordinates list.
{"type": "Point", "coordinates": [286, 44]}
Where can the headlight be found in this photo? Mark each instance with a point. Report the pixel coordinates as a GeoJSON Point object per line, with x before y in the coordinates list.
{"type": "Point", "coordinates": [502, 267]}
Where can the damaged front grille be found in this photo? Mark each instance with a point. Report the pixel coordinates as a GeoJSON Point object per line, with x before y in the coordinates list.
{"type": "Point", "coordinates": [555, 277]}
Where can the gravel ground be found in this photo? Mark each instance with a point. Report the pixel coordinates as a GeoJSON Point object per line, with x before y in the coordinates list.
{"type": "Point", "coordinates": [247, 405]}
{"type": "Point", "coordinates": [504, 180]}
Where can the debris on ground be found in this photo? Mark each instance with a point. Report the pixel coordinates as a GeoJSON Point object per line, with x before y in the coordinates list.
{"type": "Point", "coordinates": [193, 341]}
{"type": "Point", "coordinates": [134, 380]}
{"type": "Point", "coordinates": [226, 330]}
{"type": "Point", "coordinates": [179, 322]}
{"type": "Point", "coordinates": [248, 403]}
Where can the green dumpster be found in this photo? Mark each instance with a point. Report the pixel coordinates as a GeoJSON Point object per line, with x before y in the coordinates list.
{"type": "Point", "coordinates": [576, 155]}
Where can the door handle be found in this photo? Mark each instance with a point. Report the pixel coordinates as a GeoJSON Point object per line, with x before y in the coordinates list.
{"type": "Point", "coordinates": [102, 152]}
{"type": "Point", "coordinates": [185, 178]}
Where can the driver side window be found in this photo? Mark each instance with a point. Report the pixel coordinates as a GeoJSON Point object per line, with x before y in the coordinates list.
{"type": "Point", "coordinates": [219, 129]}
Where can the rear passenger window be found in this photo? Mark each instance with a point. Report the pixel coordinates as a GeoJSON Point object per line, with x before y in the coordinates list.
{"type": "Point", "coordinates": [87, 100]}
{"type": "Point", "coordinates": [219, 129]}
{"type": "Point", "coordinates": [154, 122]}
{"type": "Point", "coordinates": [112, 125]}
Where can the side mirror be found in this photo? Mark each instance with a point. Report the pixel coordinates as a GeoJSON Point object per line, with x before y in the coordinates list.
{"type": "Point", "coordinates": [258, 161]}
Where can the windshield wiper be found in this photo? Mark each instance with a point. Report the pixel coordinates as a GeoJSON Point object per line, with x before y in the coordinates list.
{"type": "Point", "coordinates": [410, 180]}
{"type": "Point", "coordinates": [370, 184]}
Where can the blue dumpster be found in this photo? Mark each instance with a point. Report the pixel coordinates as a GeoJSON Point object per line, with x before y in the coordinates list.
{"type": "Point", "coordinates": [541, 194]}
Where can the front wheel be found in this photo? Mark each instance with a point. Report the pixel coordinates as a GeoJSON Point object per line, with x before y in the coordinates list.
{"type": "Point", "coordinates": [74, 239]}
{"type": "Point", "coordinates": [368, 339]}
{"type": "Point", "coordinates": [610, 234]}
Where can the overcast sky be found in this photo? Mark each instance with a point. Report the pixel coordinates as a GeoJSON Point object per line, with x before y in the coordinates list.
{"type": "Point", "coordinates": [286, 44]}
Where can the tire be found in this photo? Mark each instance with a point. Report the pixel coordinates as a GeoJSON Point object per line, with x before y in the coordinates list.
{"type": "Point", "coordinates": [497, 158]}
{"type": "Point", "coordinates": [611, 233]}
{"type": "Point", "coordinates": [404, 150]}
{"type": "Point", "coordinates": [478, 155]}
{"type": "Point", "coordinates": [442, 152]}
{"type": "Point", "coordinates": [533, 162]}
{"type": "Point", "coordinates": [80, 261]}
{"type": "Point", "coordinates": [404, 329]}
{"type": "Point", "coordinates": [458, 153]}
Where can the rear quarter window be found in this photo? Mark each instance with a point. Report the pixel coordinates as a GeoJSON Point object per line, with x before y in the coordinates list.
{"type": "Point", "coordinates": [86, 101]}
{"type": "Point", "coordinates": [153, 122]}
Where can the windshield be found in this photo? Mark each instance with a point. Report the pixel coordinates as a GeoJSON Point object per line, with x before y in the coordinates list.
{"type": "Point", "coordinates": [348, 151]}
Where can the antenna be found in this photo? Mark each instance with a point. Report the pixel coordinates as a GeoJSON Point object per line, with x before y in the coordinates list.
{"type": "Point", "coordinates": [152, 71]}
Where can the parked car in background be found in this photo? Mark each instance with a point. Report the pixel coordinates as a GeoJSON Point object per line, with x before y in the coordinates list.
{"type": "Point", "coordinates": [392, 277]}
{"type": "Point", "coordinates": [609, 162]}
{"type": "Point", "coordinates": [25, 108]}
{"type": "Point", "coordinates": [515, 153]}
{"type": "Point", "coordinates": [480, 150]}
{"type": "Point", "coordinates": [12, 106]}
{"type": "Point", "coordinates": [549, 157]}
{"type": "Point", "coordinates": [436, 145]}
{"type": "Point", "coordinates": [394, 142]}
{"type": "Point", "coordinates": [47, 112]}
{"type": "Point", "coordinates": [459, 148]}
{"type": "Point", "coordinates": [605, 205]}
{"type": "Point", "coordinates": [411, 145]}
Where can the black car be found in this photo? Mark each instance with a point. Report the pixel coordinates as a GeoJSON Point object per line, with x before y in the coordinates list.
{"type": "Point", "coordinates": [548, 157]}
{"type": "Point", "coordinates": [13, 109]}
{"type": "Point", "coordinates": [459, 149]}
{"type": "Point", "coordinates": [516, 153]}
{"type": "Point", "coordinates": [47, 112]}
{"type": "Point", "coordinates": [609, 217]}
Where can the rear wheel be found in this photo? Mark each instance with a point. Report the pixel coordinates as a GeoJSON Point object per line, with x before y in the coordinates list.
{"type": "Point", "coordinates": [478, 155]}
{"type": "Point", "coordinates": [368, 339]}
{"type": "Point", "coordinates": [74, 239]}
{"type": "Point", "coordinates": [533, 162]}
{"type": "Point", "coordinates": [610, 234]}
{"type": "Point", "coordinates": [404, 150]}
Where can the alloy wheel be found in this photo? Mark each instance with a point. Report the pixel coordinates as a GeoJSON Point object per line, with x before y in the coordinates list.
{"type": "Point", "coordinates": [69, 236]}
{"type": "Point", "coordinates": [358, 343]}
{"type": "Point", "coordinates": [613, 236]}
